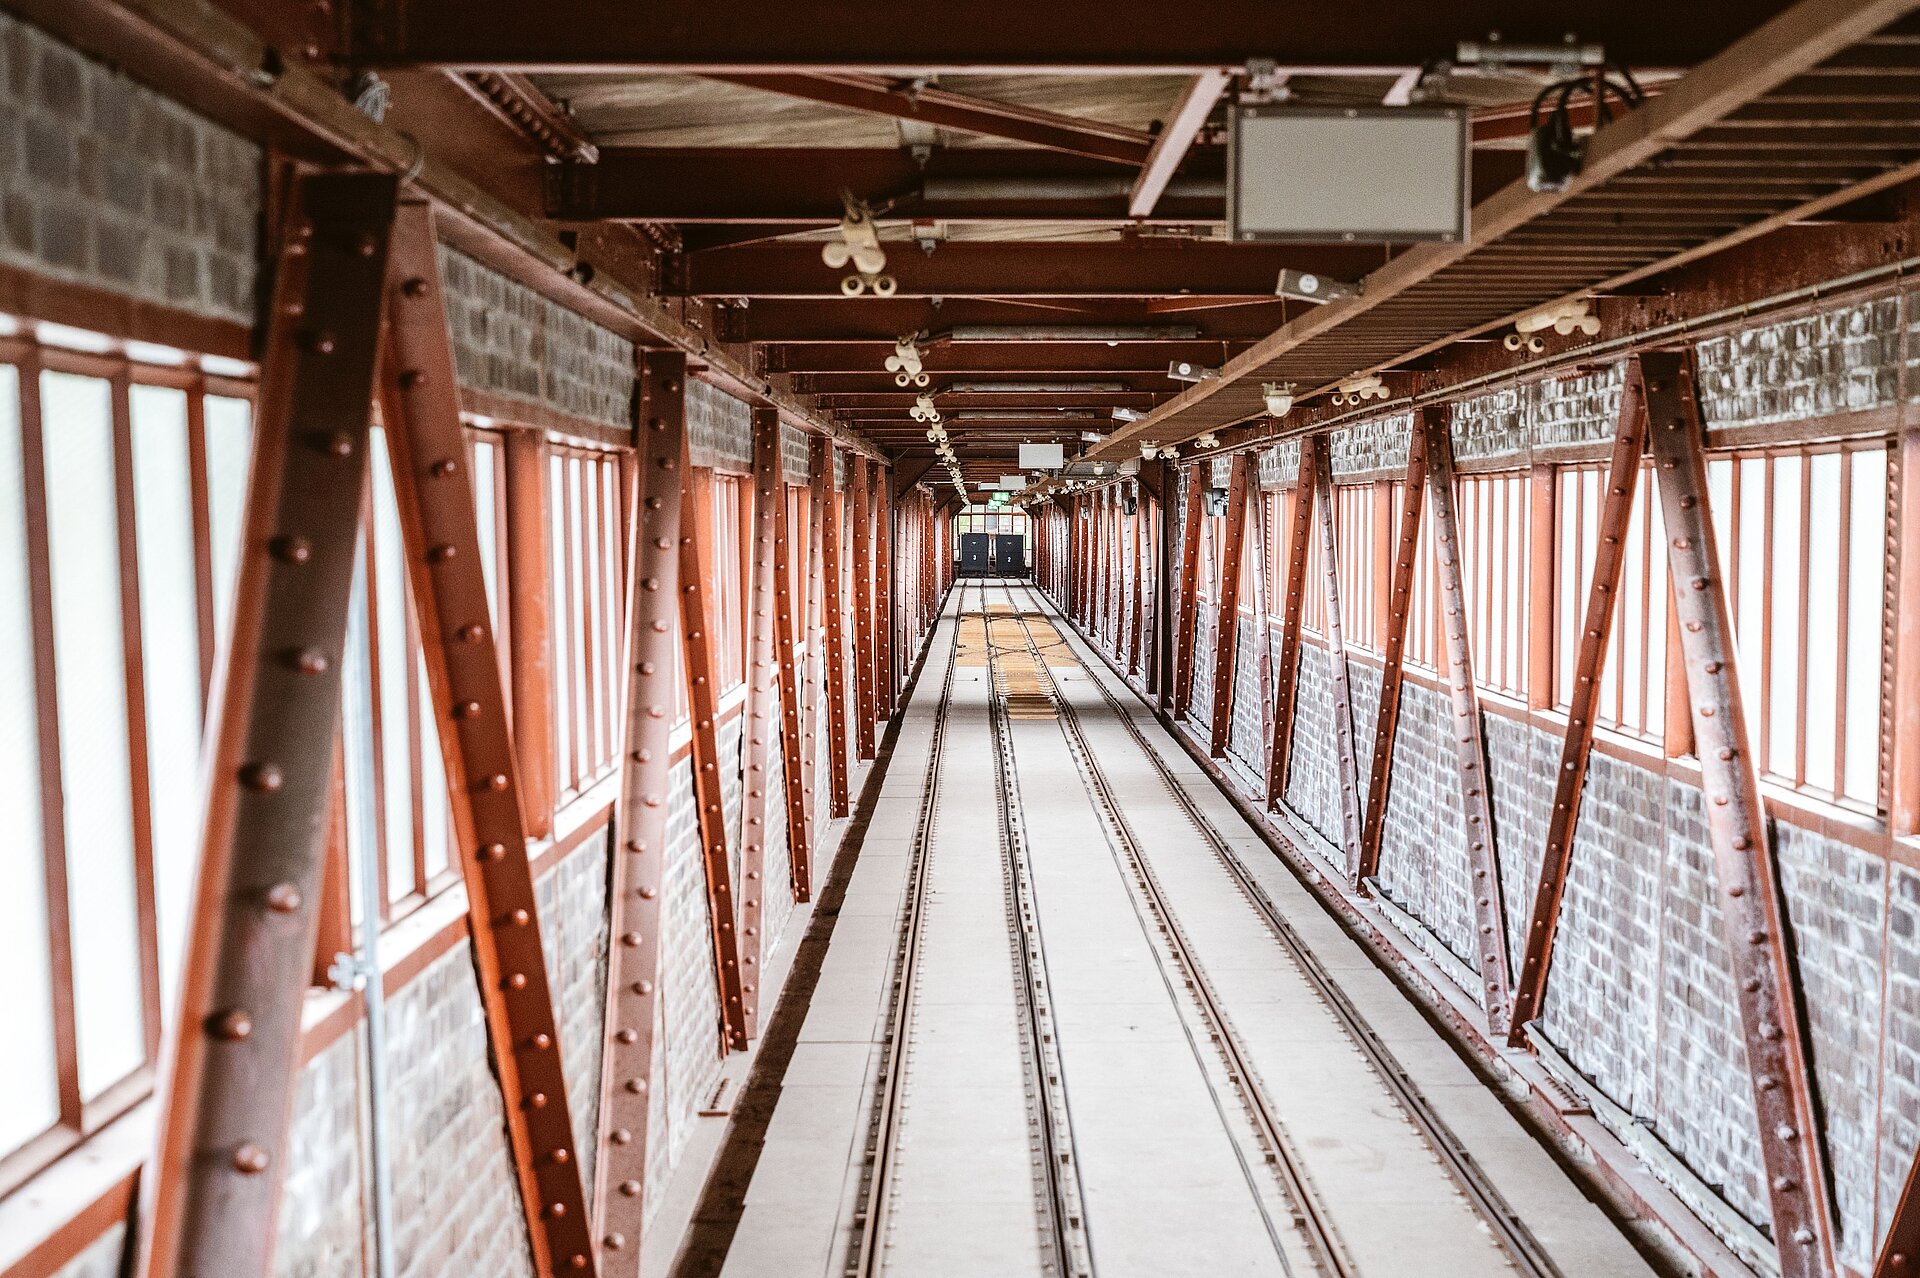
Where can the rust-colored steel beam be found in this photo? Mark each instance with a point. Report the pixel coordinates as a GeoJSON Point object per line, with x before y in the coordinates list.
{"type": "Point", "coordinates": [768, 507]}
{"type": "Point", "coordinates": [796, 773]}
{"type": "Point", "coordinates": [1227, 627]}
{"type": "Point", "coordinates": [529, 610]}
{"type": "Point", "coordinates": [1175, 139]}
{"type": "Point", "coordinates": [884, 598]}
{"type": "Point", "coordinates": [943, 108]}
{"type": "Point", "coordinates": [637, 878]}
{"type": "Point", "coordinates": [1189, 619]}
{"type": "Point", "coordinates": [1623, 476]}
{"type": "Point", "coordinates": [813, 619]}
{"type": "Point", "coordinates": [1262, 603]}
{"type": "Point", "coordinates": [1900, 1253]}
{"type": "Point", "coordinates": [827, 493]}
{"type": "Point", "coordinates": [420, 402]}
{"type": "Point", "coordinates": [865, 642]}
{"type": "Point", "coordinates": [696, 624]}
{"type": "Point", "coordinates": [1394, 648]}
{"type": "Point", "coordinates": [1287, 676]}
{"type": "Point", "coordinates": [1753, 916]}
{"type": "Point", "coordinates": [1903, 712]}
{"type": "Point", "coordinates": [1469, 742]}
{"type": "Point", "coordinates": [1346, 766]}
{"type": "Point", "coordinates": [1137, 617]}
{"type": "Point", "coordinates": [212, 1190]}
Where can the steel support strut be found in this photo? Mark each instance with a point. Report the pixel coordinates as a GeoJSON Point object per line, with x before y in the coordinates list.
{"type": "Point", "coordinates": [865, 642]}
{"type": "Point", "coordinates": [421, 406]}
{"type": "Point", "coordinates": [696, 623]}
{"type": "Point", "coordinates": [768, 506]}
{"type": "Point", "coordinates": [1189, 596]}
{"type": "Point", "coordinates": [1346, 767]}
{"type": "Point", "coordinates": [794, 772]}
{"type": "Point", "coordinates": [1262, 607]}
{"type": "Point", "coordinates": [1753, 917]}
{"type": "Point", "coordinates": [1469, 744]}
{"type": "Point", "coordinates": [1623, 476]}
{"type": "Point", "coordinates": [1280, 747]}
{"type": "Point", "coordinates": [826, 492]}
{"type": "Point", "coordinates": [1227, 629]}
{"type": "Point", "coordinates": [1399, 604]}
{"type": "Point", "coordinates": [212, 1190]}
{"type": "Point", "coordinates": [637, 878]}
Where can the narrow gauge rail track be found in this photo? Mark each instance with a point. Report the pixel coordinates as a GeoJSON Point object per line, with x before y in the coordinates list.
{"type": "Point", "coordinates": [1528, 1255]}
{"type": "Point", "coordinates": [1311, 1216]}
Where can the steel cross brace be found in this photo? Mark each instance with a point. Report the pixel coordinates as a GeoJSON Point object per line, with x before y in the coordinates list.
{"type": "Point", "coordinates": [794, 752]}
{"type": "Point", "coordinates": [211, 1192]}
{"type": "Point", "coordinates": [637, 878]}
{"type": "Point", "coordinates": [1280, 747]}
{"type": "Point", "coordinates": [864, 645]}
{"type": "Point", "coordinates": [1262, 605]}
{"type": "Point", "coordinates": [835, 671]}
{"type": "Point", "coordinates": [1139, 609]}
{"type": "Point", "coordinates": [1623, 476]}
{"type": "Point", "coordinates": [696, 623]}
{"type": "Point", "coordinates": [761, 689]}
{"type": "Point", "coordinates": [1399, 604]}
{"type": "Point", "coordinates": [1345, 764]}
{"type": "Point", "coordinates": [813, 687]}
{"type": "Point", "coordinates": [1470, 749]}
{"type": "Point", "coordinates": [1189, 595]}
{"type": "Point", "coordinates": [1753, 917]}
{"type": "Point", "coordinates": [1226, 634]}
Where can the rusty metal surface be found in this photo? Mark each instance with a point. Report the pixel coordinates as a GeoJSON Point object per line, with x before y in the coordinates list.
{"type": "Point", "coordinates": [637, 877]}
{"type": "Point", "coordinates": [795, 746]}
{"type": "Point", "coordinates": [1346, 767]}
{"type": "Point", "coordinates": [1753, 917]}
{"type": "Point", "coordinates": [212, 1192]}
{"type": "Point", "coordinates": [865, 641]}
{"type": "Point", "coordinates": [826, 496]}
{"type": "Point", "coordinates": [1469, 742]}
{"type": "Point", "coordinates": [1227, 629]}
{"type": "Point", "coordinates": [1623, 475]}
{"type": "Point", "coordinates": [439, 526]}
{"type": "Point", "coordinates": [1287, 676]}
{"type": "Point", "coordinates": [1900, 1253]}
{"type": "Point", "coordinates": [1394, 647]}
{"type": "Point", "coordinates": [769, 510]}
{"type": "Point", "coordinates": [1189, 618]}
{"type": "Point", "coordinates": [696, 623]}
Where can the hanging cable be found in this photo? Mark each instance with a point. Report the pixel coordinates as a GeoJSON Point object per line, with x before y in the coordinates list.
{"type": "Point", "coordinates": [1554, 154]}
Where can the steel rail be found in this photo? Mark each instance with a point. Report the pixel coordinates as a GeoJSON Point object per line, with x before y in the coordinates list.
{"type": "Point", "coordinates": [1065, 1196]}
{"type": "Point", "coordinates": [867, 1250]}
{"type": "Point", "coordinates": [1530, 1257]}
{"type": "Point", "coordinates": [1310, 1215]}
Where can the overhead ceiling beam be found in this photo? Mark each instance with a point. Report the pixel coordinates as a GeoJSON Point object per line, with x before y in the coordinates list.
{"type": "Point", "coordinates": [1023, 358]}
{"type": "Point", "coordinates": [884, 319]}
{"type": "Point", "coordinates": [1802, 37]}
{"type": "Point", "coordinates": [1150, 266]}
{"type": "Point", "coordinates": [1115, 37]}
{"type": "Point", "coordinates": [1176, 138]}
{"type": "Point", "coordinates": [877, 404]}
{"type": "Point", "coordinates": [942, 108]}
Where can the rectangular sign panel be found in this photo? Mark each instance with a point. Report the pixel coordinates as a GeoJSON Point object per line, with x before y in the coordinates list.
{"type": "Point", "coordinates": [1376, 174]}
{"type": "Point", "coordinates": [1042, 456]}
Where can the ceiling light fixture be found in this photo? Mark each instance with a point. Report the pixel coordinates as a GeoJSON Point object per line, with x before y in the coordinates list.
{"type": "Point", "coordinates": [1358, 390]}
{"type": "Point", "coordinates": [1305, 286]}
{"type": "Point", "coordinates": [1279, 398]}
{"type": "Point", "coordinates": [1181, 370]}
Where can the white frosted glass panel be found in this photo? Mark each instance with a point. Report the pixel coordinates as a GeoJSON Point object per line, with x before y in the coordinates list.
{"type": "Point", "coordinates": [27, 1074]}
{"type": "Point", "coordinates": [1750, 623]}
{"type": "Point", "coordinates": [396, 672]}
{"type": "Point", "coordinates": [1783, 679]}
{"type": "Point", "coordinates": [170, 642]}
{"type": "Point", "coordinates": [433, 778]}
{"type": "Point", "coordinates": [485, 514]}
{"type": "Point", "coordinates": [1823, 617]}
{"type": "Point", "coordinates": [229, 427]}
{"type": "Point", "coordinates": [1866, 597]}
{"type": "Point", "coordinates": [561, 682]}
{"type": "Point", "coordinates": [358, 746]}
{"type": "Point", "coordinates": [1657, 603]}
{"type": "Point", "coordinates": [84, 556]}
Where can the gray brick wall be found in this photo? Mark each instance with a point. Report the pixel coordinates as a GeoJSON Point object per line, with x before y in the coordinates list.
{"type": "Point", "coordinates": [1246, 742]}
{"type": "Point", "coordinates": [1900, 1052]}
{"type": "Point", "coordinates": [719, 428]}
{"type": "Point", "coordinates": [321, 1209]}
{"type": "Point", "coordinates": [108, 184]}
{"type": "Point", "coordinates": [1312, 788]}
{"type": "Point", "coordinates": [572, 897]}
{"type": "Point", "coordinates": [1423, 852]}
{"type": "Point", "coordinates": [1841, 359]}
{"type": "Point", "coordinates": [509, 340]}
{"type": "Point", "coordinates": [795, 456]}
{"type": "Point", "coordinates": [455, 1202]}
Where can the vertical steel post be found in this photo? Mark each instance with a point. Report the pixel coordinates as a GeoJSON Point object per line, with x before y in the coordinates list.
{"type": "Point", "coordinates": [1623, 476]}
{"type": "Point", "coordinates": [212, 1189]}
{"type": "Point", "coordinates": [864, 640]}
{"type": "Point", "coordinates": [1470, 749]}
{"type": "Point", "coordinates": [696, 624]}
{"type": "Point", "coordinates": [1189, 595]}
{"type": "Point", "coordinates": [637, 877]}
{"type": "Point", "coordinates": [1753, 917]}
{"type": "Point", "coordinates": [1399, 604]}
{"type": "Point", "coordinates": [835, 673]}
{"type": "Point", "coordinates": [1262, 605]}
{"type": "Point", "coordinates": [884, 594]}
{"type": "Point", "coordinates": [760, 726]}
{"type": "Point", "coordinates": [796, 771]}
